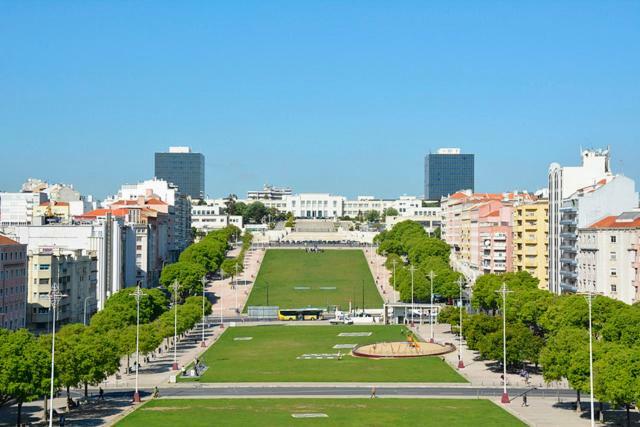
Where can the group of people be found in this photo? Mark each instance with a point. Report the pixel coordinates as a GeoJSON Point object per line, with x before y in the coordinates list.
{"type": "Point", "coordinates": [313, 249]}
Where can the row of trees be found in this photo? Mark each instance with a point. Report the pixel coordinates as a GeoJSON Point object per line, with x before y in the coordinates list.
{"type": "Point", "coordinates": [553, 331]}
{"type": "Point", "coordinates": [406, 245]}
{"type": "Point", "coordinates": [87, 355]}
{"type": "Point", "coordinates": [253, 213]}
{"type": "Point", "coordinates": [197, 261]}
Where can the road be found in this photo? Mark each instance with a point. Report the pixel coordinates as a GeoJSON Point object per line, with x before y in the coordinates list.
{"type": "Point", "coordinates": [353, 391]}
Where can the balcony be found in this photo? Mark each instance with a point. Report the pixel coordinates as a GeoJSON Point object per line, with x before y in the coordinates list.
{"type": "Point", "coordinates": [570, 261]}
{"type": "Point", "coordinates": [568, 248]}
{"type": "Point", "coordinates": [569, 273]}
{"type": "Point", "coordinates": [499, 267]}
{"type": "Point", "coordinates": [499, 236]}
{"type": "Point", "coordinates": [568, 222]}
{"type": "Point", "coordinates": [568, 235]}
{"type": "Point", "coordinates": [568, 209]}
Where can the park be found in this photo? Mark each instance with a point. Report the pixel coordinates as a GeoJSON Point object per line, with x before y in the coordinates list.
{"type": "Point", "coordinates": [296, 278]}
{"type": "Point", "coordinates": [320, 412]}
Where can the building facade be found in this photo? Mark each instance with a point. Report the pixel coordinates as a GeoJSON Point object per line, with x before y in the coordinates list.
{"type": "Point", "coordinates": [75, 273]}
{"type": "Point", "coordinates": [18, 208]}
{"type": "Point", "coordinates": [13, 283]}
{"type": "Point", "coordinates": [609, 257]}
{"type": "Point", "coordinates": [269, 192]}
{"type": "Point", "coordinates": [531, 239]}
{"type": "Point", "coordinates": [446, 172]}
{"type": "Point", "coordinates": [182, 168]}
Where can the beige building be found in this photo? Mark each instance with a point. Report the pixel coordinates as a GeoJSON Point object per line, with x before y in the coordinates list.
{"type": "Point", "coordinates": [531, 239]}
{"type": "Point", "coordinates": [75, 272]}
{"type": "Point", "coordinates": [609, 257]}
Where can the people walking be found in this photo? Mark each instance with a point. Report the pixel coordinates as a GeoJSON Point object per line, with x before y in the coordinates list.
{"type": "Point", "coordinates": [524, 400]}
{"type": "Point", "coordinates": [373, 392]}
{"type": "Point", "coordinates": [101, 393]}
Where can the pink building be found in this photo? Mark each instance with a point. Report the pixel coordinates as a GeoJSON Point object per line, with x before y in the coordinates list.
{"type": "Point", "coordinates": [495, 237]}
{"type": "Point", "coordinates": [13, 283]}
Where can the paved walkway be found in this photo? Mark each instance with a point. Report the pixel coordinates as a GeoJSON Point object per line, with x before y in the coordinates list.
{"type": "Point", "coordinates": [381, 275]}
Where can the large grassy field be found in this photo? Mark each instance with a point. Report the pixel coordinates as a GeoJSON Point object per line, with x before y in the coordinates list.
{"type": "Point", "coordinates": [271, 355]}
{"type": "Point", "coordinates": [332, 277]}
{"type": "Point", "coordinates": [340, 412]}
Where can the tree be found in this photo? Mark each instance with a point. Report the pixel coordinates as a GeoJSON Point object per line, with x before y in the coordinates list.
{"type": "Point", "coordinates": [25, 364]}
{"type": "Point", "coordinates": [566, 355]}
{"type": "Point", "coordinates": [478, 327]}
{"type": "Point", "coordinates": [101, 358]}
{"type": "Point", "coordinates": [255, 213]}
{"type": "Point", "coordinates": [390, 212]}
{"type": "Point", "coordinates": [209, 253]}
{"type": "Point", "coordinates": [617, 376]}
{"type": "Point", "coordinates": [522, 345]}
{"type": "Point", "coordinates": [372, 216]}
{"type": "Point", "coordinates": [188, 275]}
{"type": "Point", "coordinates": [232, 266]}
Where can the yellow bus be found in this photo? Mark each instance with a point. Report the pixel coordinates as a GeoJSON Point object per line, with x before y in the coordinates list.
{"type": "Point", "coordinates": [300, 314]}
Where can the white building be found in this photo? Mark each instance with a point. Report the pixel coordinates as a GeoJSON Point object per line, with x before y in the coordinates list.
{"type": "Point", "coordinates": [179, 208]}
{"type": "Point", "coordinates": [269, 192]}
{"type": "Point", "coordinates": [564, 218]}
{"type": "Point", "coordinates": [609, 257]}
{"type": "Point", "coordinates": [112, 243]}
{"type": "Point", "coordinates": [18, 208]}
{"type": "Point", "coordinates": [206, 218]}
{"type": "Point", "coordinates": [314, 205]}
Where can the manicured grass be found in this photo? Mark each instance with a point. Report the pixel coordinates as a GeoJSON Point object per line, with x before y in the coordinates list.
{"type": "Point", "coordinates": [271, 356]}
{"type": "Point", "coordinates": [283, 270]}
{"type": "Point", "coordinates": [340, 412]}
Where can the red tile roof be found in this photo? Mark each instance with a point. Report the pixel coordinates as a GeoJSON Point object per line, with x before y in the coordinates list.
{"type": "Point", "coordinates": [4, 240]}
{"type": "Point", "coordinates": [613, 222]}
{"type": "Point", "coordinates": [54, 204]}
{"type": "Point", "coordinates": [155, 202]}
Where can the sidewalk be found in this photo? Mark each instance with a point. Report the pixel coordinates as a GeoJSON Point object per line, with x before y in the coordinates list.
{"type": "Point", "coordinates": [381, 276]}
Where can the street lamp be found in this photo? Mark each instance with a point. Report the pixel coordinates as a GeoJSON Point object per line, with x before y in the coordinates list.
{"type": "Point", "coordinates": [504, 291]}
{"type": "Point", "coordinates": [412, 269]}
{"type": "Point", "coordinates": [431, 276]}
{"type": "Point", "coordinates": [138, 294]}
{"type": "Point", "coordinates": [589, 295]}
{"type": "Point", "coordinates": [54, 296]}
{"type": "Point", "coordinates": [204, 283]}
{"type": "Point", "coordinates": [85, 309]}
{"type": "Point", "coordinates": [460, 362]}
{"type": "Point", "coordinates": [175, 325]}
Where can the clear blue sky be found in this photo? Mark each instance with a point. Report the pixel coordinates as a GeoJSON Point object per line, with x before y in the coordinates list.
{"type": "Point", "coordinates": [337, 96]}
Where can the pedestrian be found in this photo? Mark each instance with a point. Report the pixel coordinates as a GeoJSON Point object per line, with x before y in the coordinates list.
{"type": "Point", "coordinates": [101, 393]}
{"type": "Point", "coordinates": [62, 420]}
{"type": "Point", "coordinates": [524, 400]}
{"type": "Point", "coordinates": [373, 392]}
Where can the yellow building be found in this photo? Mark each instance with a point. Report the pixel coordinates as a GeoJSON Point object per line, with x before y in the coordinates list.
{"type": "Point", "coordinates": [531, 239]}
{"type": "Point", "coordinates": [53, 211]}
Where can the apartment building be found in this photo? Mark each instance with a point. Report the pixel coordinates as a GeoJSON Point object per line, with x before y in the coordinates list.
{"type": "Point", "coordinates": [76, 274]}
{"type": "Point", "coordinates": [530, 239]}
{"type": "Point", "coordinates": [609, 257]}
{"type": "Point", "coordinates": [18, 208]}
{"type": "Point", "coordinates": [13, 283]}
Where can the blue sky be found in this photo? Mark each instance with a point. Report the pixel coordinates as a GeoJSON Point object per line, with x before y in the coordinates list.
{"type": "Point", "coordinates": [339, 96]}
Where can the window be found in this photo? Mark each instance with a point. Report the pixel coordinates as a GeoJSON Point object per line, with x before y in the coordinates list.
{"type": "Point", "coordinates": [613, 272]}
{"type": "Point", "coordinates": [613, 288]}
{"type": "Point", "coordinates": [613, 239]}
{"type": "Point", "coordinates": [612, 256]}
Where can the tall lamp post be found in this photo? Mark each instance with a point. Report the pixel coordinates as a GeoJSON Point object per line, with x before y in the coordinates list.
{"type": "Point", "coordinates": [204, 285]}
{"type": "Point", "coordinates": [54, 296]}
{"type": "Point", "coordinates": [138, 294]}
{"type": "Point", "coordinates": [412, 269]}
{"type": "Point", "coordinates": [431, 276]}
{"type": "Point", "coordinates": [589, 295]}
{"type": "Point", "coordinates": [504, 291]}
{"type": "Point", "coordinates": [84, 317]}
{"type": "Point", "coordinates": [175, 325]}
{"type": "Point", "coordinates": [460, 362]}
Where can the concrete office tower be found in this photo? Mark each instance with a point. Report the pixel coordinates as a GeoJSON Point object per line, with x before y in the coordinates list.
{"type": "Point", "coordinates": [578, 197]}
{"type": "Point", "coordinates": [446, 172]}
{"type": "Point", "coordinates": [182, 168]}
{"type": "Point", "coordinates": [13, 283]}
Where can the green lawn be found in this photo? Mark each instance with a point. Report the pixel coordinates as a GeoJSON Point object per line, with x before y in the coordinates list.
{"type": "Point", "coordinates": [284, 270]}
{"type": "Point", "coordinates": [271, 355]}
{"type": "Point", "coordinates": [340, 412]}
